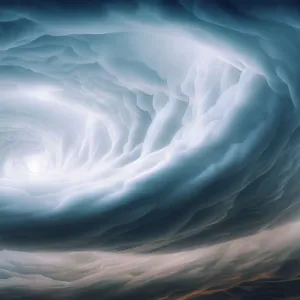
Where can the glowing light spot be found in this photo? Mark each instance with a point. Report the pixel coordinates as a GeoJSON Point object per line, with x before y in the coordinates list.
{"type": "Point", "coordinates": [36, 165]}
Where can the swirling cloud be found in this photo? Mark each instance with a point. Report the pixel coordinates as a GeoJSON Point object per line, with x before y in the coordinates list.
{"type": "Point", "coordinates": [158, 130]}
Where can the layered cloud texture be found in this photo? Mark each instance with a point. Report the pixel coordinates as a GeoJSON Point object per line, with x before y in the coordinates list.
{"type": "Point", "coordinates": [149, 149]}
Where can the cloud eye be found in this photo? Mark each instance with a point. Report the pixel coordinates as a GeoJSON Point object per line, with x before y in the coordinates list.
{"type": "Point", "coordinates": [140, 122]}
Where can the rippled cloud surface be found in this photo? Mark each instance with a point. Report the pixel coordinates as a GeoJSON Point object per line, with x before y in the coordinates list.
{"type": "Point", "coordinates": [149, 150]}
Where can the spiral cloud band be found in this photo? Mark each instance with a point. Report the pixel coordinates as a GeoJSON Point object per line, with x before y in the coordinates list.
{"type": "Point", "coordinates": [149, 149]}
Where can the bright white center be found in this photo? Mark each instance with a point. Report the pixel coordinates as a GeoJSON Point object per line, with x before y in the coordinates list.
{"type": "Point", "coordinates": [36, 165]}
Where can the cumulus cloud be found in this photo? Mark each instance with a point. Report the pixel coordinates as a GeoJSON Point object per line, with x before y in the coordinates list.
{"type": "Point", "coordinates": [158, 138]}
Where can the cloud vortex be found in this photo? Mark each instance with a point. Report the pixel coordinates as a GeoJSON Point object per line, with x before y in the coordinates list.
{"type": "Point", "coordinates": [148, 148]}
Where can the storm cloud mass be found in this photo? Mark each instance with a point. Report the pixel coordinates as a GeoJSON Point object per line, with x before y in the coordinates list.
{"type": "Point", "coordinates": [149, 149]}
